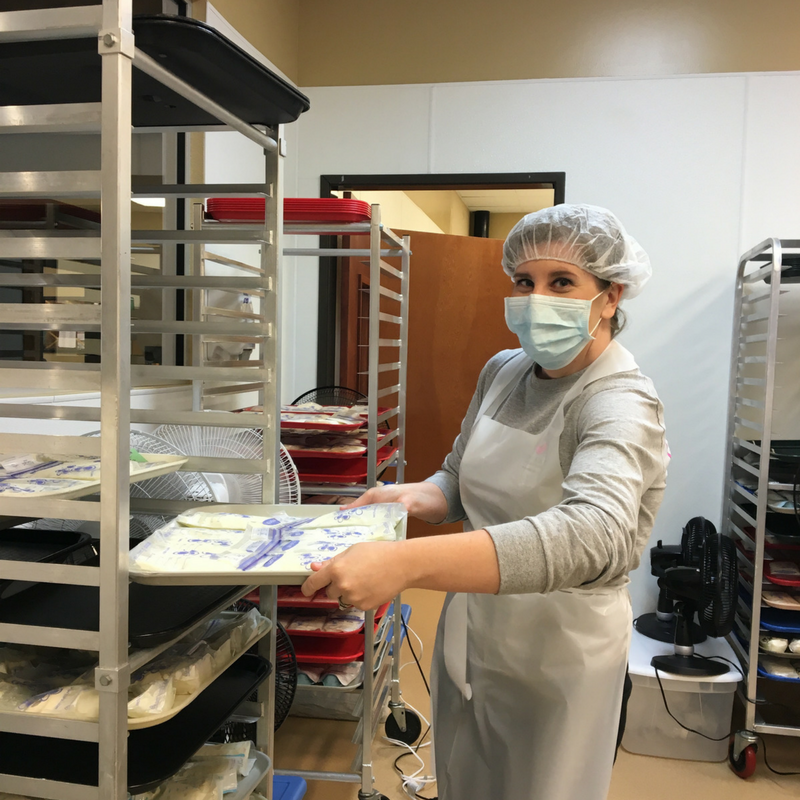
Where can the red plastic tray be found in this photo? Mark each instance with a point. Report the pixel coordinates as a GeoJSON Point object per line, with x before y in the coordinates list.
{"type": "Point", "coordinates": [318, 650]}
{"type": "Point", "coordinates": [325, 209]}
{"type": "Point", "coordinates": [252, 209]}
{"type": "Point", "coordinates": [297, 425]}
{"type": "Point", "coordinates": [751, 534]}
{"type": "Point", "coordinates": [292, 597]}
{"type": "Point", "coordinates": [327, 470]}
{"type": "Point", "coordinates": [779, 580]}
{"type": "Point", "coordinates": [295, 454]}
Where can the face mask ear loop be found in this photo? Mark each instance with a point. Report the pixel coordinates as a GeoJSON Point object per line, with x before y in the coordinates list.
{"type": "Point", "coordinates": [591, 332]}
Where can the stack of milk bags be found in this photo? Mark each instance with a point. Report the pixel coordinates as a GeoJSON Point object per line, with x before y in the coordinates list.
{"type": "Point", "coordinates": [38, 682]}
{"type": "Point", "coordinates": [199, 542]}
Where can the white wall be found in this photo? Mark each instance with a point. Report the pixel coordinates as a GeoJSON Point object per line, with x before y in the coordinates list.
{"type": "Point", "coordinates": [698, 168]}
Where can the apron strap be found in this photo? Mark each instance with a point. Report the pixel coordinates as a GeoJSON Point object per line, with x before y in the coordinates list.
{"type": "Point", "coordinates": [503, 384]}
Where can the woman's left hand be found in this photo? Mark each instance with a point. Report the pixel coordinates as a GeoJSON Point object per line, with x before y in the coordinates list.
{"type": "Point", "coordinates": [365, 576]}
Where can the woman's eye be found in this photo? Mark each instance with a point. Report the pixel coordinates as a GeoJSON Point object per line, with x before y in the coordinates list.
{"type": "Point", "coordinates": [562, 283]}
{"type": "Point", "coordinates": [524, 283]}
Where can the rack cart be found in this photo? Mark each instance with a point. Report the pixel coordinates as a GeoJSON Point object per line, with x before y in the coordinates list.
{"type": "Point", "coordinates": [750, 514]}
{"type": "Point", "coordinates": [387, 307]}
{"type": "Point", "coordinates": [89, 70]}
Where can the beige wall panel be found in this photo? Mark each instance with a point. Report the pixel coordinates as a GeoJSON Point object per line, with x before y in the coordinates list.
{"type": "Point", "coordinates": [361, 42]}
{"type": "Point", "coordinates": [271, 26]}
{"type": "Point", "coordinates": [500, 225]}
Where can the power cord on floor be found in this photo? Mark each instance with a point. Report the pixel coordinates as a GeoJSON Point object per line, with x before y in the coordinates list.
{"type": "Point", "coordinates": [414, 783]}
{"type": "Point", "coordinates": [732, 732]}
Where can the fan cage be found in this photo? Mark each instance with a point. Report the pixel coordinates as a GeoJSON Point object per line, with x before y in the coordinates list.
{"type": "Point", "coordinates": [720, 585]}
{"type": "Point", "coordinates": [285, 670]}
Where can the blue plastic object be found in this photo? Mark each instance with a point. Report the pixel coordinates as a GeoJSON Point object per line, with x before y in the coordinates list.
{"type": "Point", "coordinates": [288, 787]}
{"type": "Point", "coordinates": [764, 674]}
{"type": "Point", "coordinates": [405, 613]}
{"type": "Point", "coordinates": [775, 619]}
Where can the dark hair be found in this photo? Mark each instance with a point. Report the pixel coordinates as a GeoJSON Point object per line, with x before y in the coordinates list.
{"type": "Point", "coordinates": [619, 320]}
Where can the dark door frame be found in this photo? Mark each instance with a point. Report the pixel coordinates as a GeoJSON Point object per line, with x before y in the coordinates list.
{"type": "Point", "coordinates": [328, 267]}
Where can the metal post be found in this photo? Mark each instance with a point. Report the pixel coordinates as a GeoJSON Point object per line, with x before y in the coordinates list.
{"type": "Point", "coordinates": [367, 790]}
{"type": "Point", "coordinates": [197, 302]}
{"type": "Point", "coordinates": [402, 377]}
{"type": "Point", "coordinates": [271, 253]}
{"type": "Point", "coordinates": [374, 344]}
{"type": "Point", "coordinates": [112, 678]}
{"type": "Point", "coordinates": [265, 728]}
{"type": "Point", "coordinates": [169, 174]}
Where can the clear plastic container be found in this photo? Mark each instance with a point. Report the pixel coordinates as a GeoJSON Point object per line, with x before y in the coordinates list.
{"type": "Point", "coordinates": [704, 704]}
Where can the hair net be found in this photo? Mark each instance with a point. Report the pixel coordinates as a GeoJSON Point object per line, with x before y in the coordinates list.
{"type": "Point", "coordinates": [589, 237]}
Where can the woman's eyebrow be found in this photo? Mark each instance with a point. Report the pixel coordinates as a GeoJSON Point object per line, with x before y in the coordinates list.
{"type": "Point", "coordinates": [562, 273]}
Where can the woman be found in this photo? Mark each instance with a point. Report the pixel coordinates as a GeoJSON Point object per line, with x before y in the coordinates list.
{"type": "Point", "coordinates": [558, 472]}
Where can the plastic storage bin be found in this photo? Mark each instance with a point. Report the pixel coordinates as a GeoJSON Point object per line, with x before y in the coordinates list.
{"type": "Point", "coordinates": [705, 704]}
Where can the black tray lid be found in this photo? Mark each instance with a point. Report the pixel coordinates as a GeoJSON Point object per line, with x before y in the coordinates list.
{"type": "Point", "coordinates": [154, 754]}
{"type": "Point", "coordinates": [69, 71]}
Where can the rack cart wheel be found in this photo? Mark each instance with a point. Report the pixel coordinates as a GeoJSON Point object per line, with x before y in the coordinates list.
{"type": "Point", "coordinates": [413, 725]}
{"type": "Point", "coordinates": [742, 753]}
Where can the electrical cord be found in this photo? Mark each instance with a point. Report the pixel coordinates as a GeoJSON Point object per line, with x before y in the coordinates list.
{"type": "Point", "coordinates": [414, 782]}
{"type": "Point", "coordinates": [733, 731]}
{"type": "Point", "coordinates": [795, 495]}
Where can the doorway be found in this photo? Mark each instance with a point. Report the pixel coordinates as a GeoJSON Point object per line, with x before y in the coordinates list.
{"type": "Point", "coordinates": [456, 320]}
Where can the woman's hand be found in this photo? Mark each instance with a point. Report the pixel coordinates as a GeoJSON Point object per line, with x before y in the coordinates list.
{"type": "Point", "coordinates": [423, 500]}
{"type": "Point", "coordinates": [372, 573]}
{"type": "Point", "coordinates": [365, 576]}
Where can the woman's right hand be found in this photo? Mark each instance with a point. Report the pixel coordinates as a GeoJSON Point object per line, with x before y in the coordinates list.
{"type": "Point", "coordinates": [423, 500]}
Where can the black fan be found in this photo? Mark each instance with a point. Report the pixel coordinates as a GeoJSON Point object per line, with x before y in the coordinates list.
{"type": "Point", "coordinates": [332, 396]}
{"type": "Point", "coordinates": [285, 685]}
{"type": "Point", "coordinates": [661, 624]}
{"type": "Point", "coordinates": [709, 589]}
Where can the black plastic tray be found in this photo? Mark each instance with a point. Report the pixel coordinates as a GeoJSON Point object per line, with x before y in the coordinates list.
{"type": "Point", "coordinates": [156, 613]}
{"type": "Point", "coordinates": [154, 754]}
{"type": "Point", "coordinates": [69, 71]}
{"type": "Point", "coordinates": [42, 546]}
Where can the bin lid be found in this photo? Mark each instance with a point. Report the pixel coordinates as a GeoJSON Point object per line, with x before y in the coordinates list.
{"type": "Point", "coordinates": [643, 648]}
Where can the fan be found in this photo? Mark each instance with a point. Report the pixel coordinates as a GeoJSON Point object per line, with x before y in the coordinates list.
{"type": "Point", "coordinates": [172, 486]}
{"type": "Point", "coordinates": [661, 624]}
{"type": "Point", "coordinates": [332, 396]}
{"type": "Point", "coordinates": [217, 442]}
{"type": "Point", "coordinates": [285, 685]}
{"type": "Point", "coordinates": [708, 588]}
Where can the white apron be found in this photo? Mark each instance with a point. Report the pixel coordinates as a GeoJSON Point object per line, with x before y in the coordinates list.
{"type": "Point", "coordinates": [527, 689]}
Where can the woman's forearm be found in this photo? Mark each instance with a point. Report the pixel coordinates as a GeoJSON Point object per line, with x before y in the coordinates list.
{"type": "Point", "coordinates": [370, 574]}
{"type": "Point", "coordinates": [458, 562]}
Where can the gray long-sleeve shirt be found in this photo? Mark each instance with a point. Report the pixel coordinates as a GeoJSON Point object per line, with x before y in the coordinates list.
{"type": "Point", "coordinates": [614, 457]}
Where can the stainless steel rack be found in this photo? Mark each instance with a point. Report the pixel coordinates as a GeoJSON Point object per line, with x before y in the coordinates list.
{"type": "Point", "coordinates": [383, 243]}
{"type": "Point", "coordinates": [760, 282]}
{"type": "Point", "coordinates": [383, 684]}
{"type": "Point", "coordinates": [114, 377]}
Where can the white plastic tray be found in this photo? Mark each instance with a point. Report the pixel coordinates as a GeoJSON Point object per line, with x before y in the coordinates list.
{"type": "Point", "coordinates": [235, 577]}
{"type": "Point", "coordinates": [69, 488]}
{"type": "Point", "coordinates": [181, 701]}
{"type": "Point", "coordinates": [249, 784]}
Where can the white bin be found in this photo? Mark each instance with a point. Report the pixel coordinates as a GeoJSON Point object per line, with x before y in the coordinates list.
{"type": "Point", "coordinates": [704, 704]}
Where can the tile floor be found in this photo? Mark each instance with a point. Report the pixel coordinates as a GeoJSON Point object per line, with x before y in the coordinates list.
{"type": "Point", "coordinates": [324, 744]}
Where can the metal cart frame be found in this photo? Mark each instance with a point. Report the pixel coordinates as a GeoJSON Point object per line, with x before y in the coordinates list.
{"type": "Point", "coordinates": [114, 377]}
{"type": "Point", "coordinates": [750, 422]}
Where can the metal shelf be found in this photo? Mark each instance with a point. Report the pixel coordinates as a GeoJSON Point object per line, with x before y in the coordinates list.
{"type": "Point", "coordinates": [108, 252]}
{"type": "Point", "coordinates": [750, 421]}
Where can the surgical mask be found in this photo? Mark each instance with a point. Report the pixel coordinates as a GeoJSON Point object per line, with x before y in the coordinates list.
{"type": "Point", "coordinates": [551, 330]}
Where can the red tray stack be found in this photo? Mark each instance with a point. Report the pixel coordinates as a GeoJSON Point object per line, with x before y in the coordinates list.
{"type": "Point", "coordinates": [311, 209]}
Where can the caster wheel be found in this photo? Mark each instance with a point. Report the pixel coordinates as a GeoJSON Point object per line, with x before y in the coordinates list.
{"type": "Point", "coordinates": [410, 734]}
{"type": "Point", "coordinates": [745, 765]}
